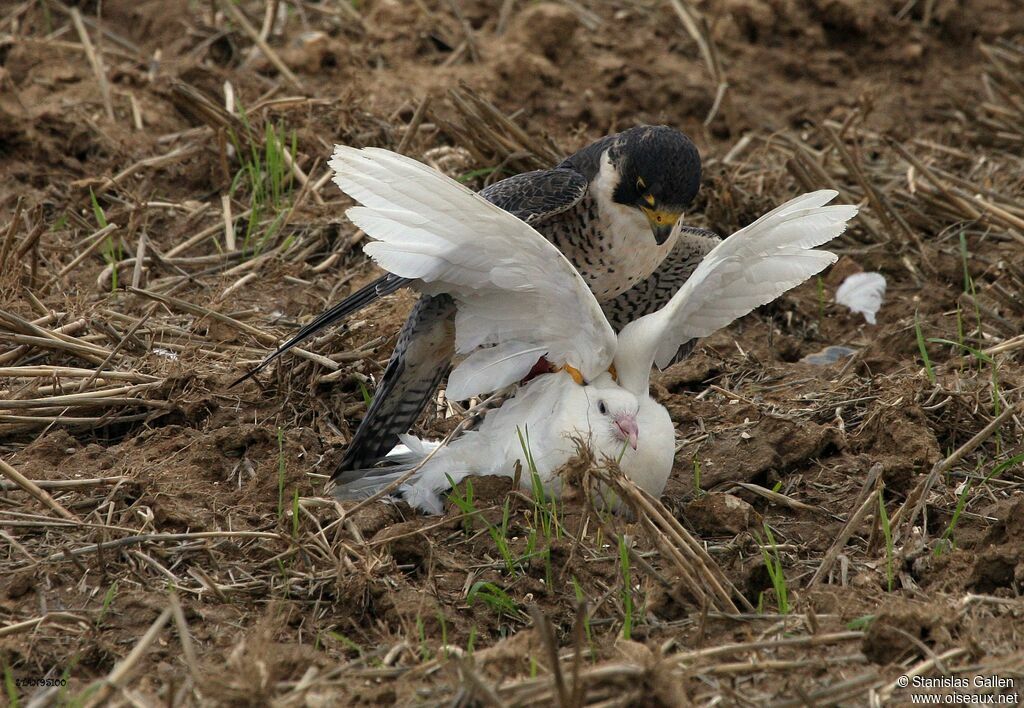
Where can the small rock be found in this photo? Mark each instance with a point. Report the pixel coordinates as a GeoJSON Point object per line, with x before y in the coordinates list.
{"type": "Point", "coordinates": [634, 652]}
{"type": "Point", "coordinates": [828, 356]}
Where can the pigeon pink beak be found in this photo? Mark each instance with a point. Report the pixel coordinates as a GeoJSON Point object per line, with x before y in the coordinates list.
{"type": "Point", "coordinates": [627, 429]}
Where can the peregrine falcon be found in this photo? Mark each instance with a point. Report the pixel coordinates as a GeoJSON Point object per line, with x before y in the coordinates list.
{"type": "Point", "coordinates": [610, 208]}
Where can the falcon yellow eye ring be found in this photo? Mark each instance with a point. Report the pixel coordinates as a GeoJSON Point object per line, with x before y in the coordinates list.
{"type": "Point", "coordinates": [649, 198]}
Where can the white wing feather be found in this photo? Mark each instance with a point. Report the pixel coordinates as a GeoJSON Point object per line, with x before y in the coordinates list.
{"type": "Point", "coordinates": [513, 288]}
{"type": "Point", "coordinates": [750, 268]}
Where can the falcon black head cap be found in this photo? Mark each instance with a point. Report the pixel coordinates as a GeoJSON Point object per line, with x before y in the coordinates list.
{"type": "Point", "coordinates": [659, 173]}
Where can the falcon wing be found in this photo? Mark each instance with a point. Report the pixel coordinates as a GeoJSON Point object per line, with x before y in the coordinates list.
{"type": "Point", "coordinates": [538, 195]}
{"type": "Point", "coordinates": [750, 268]}
{"type": "Point", "coordinates": [518, 297]}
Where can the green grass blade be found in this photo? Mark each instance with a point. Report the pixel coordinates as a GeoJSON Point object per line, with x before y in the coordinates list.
{"type": "Point", "coordinates": [923, 349]}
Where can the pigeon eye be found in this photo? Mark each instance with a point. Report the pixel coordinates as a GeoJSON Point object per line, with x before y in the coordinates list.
{"type": "Point", "coordinates": [602, 408]}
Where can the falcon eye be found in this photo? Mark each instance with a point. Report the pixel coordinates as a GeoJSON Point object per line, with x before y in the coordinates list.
{"type": "Point", "coordinates": [640, 184]}
{"type": "Point", "coordinates": [602, 408]}
{"type": "Point", "coordinates": [649, 198]}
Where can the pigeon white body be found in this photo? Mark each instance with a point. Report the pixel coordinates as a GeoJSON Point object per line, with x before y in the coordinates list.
{"type": "Point", "coordinates": [537, 429]}
{"type": "Point", "coordinates": [519, 299]}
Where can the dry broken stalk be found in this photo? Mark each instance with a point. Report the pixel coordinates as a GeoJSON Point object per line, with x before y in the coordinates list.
{"type": "Point", "coordinates": [275, 59]}
{"type": "Point", "coordinates": [95, 61]}
{"type": "Point", "coordinates": [124, 668]}
{"type": "Point", "coordinates": [34, 490]}
{"type": "Point", "coordinates": [867, 501]}
{"type": "Point", "coordinates": [699, 572]}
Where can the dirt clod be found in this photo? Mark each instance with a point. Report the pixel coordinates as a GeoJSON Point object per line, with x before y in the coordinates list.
{"type": "Point", "coordinates": [721, 515]}
{"type": "Point", "coordinates": [768, 445]}
{"type": "Point", "coordinates": [903, 630]}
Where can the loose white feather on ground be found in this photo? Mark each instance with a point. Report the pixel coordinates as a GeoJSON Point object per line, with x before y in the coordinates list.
{"type": "Point", "coordinates": [863, 293]}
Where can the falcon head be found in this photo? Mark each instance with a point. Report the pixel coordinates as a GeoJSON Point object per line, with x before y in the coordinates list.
{"type": "Point", "coordinates": [613, 412]}
{"type": "Point", "coordinates": [658, 172]}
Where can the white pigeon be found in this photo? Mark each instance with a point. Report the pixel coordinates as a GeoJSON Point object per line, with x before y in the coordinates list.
{"type": "Point", "coordinates": [519, 300]}
{"type": "Point", "coordinates": [541, 419]}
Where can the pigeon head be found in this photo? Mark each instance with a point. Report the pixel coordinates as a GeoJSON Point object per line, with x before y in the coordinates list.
{"type": "Point", "coordinates": [658, 170]}
{"type": "Point", "coordinates": [613, 412]}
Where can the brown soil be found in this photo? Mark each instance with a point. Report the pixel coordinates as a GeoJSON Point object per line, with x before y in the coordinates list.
{"type": "Point", "coordinates": [212, 498]}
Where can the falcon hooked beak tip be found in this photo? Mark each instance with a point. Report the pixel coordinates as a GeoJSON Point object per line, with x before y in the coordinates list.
{"type": "Point", "coordinates": [628, 430]}
{"type": "Point", "coordinates": [661, 221]}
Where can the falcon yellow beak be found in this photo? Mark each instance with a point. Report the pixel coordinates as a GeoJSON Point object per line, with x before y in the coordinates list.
{"type": "Point", "coordinates": [661, 221]}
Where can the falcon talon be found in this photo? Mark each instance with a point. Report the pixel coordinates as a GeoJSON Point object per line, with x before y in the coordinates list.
{"type": "Point", "coordinates": [574, 373]}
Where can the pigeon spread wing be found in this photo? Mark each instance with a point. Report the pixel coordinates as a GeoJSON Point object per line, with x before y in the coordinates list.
{"type": "Point", "coordinates": [750, 268]}
{"type": "Point", "coordinates": [518, 297]}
